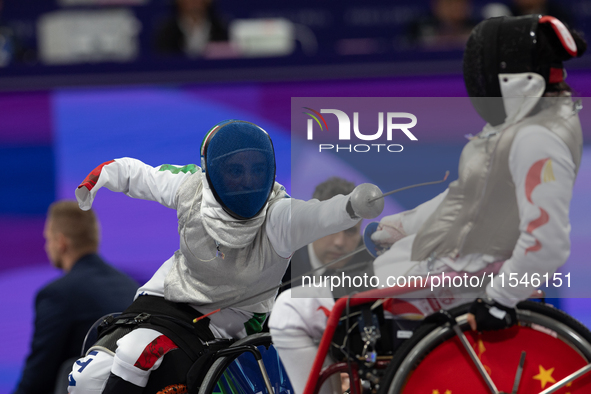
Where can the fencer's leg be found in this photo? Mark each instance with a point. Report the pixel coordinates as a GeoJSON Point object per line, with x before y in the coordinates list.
{"type": "Point", "coordinates": [296, 325]}
{"type": "Point", "coordinates": [424, 302]}
{"type": "Point", "coordinates": [138, 354]}
{"type": "Point", "coordinates": [297, 353]}
{"type": "Point", "coordinates": [89, 374]}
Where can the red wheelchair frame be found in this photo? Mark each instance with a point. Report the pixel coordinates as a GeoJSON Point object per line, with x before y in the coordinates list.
{"type": "Point", "coordinates": [318, 376]}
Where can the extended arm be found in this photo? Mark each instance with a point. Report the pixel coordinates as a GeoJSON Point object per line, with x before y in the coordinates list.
{"type": "Point", "coordinates": [395, 227]}
{"type": "Point", "coordinates": [294, 223]}
{"type": "Point", "coordinates": [135, 179]}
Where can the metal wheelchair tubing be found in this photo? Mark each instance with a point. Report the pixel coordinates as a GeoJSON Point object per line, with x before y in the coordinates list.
{"type": "Point", "coordinates": [227, 356]}
{"type": "Point", "coordinates": [561, 329]}
{"type": "Point", "coordinates": [238, 350]}
{"type": "Point", "coordinates": [565, 333]}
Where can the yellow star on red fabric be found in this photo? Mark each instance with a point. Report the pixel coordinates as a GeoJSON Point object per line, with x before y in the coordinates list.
{"type": "Point", "coordinates": [481, 348]}
{"type": "Point", "coordinates": [545, 376]}
{"type": "Point", "coordinates": [547, 172]}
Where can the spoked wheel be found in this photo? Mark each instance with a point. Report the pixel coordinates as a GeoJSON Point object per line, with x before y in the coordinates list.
{"type": "Point", "coordinates": [434, 361]}
{"type": "Point", "coordinates": [237, 371]}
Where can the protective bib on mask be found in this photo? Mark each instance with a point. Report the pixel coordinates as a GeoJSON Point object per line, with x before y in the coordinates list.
{"type": "Point", "coordinates": [239, 163]}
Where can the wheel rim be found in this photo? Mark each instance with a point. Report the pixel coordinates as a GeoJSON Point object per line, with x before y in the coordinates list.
{"type": "Point", "coordinates": [531, 320]}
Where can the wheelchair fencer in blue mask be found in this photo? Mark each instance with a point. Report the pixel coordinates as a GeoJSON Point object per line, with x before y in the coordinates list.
{"type": "Point", "coordinates": [238, 229]}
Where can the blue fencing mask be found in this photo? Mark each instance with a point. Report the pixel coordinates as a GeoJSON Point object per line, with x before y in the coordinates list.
{"type": "Point", "coordinates": [239, 164]}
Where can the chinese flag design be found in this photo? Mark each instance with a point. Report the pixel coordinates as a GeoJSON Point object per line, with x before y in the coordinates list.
{"type": "Point", "coordinates": [449, 370]}
{"type": "Point", "coordinates": [540, 172]}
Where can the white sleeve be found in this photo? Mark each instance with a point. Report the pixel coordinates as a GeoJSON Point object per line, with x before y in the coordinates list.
{"type": "Point", "coordinates": [135, 179]}
{"type": "Point", "coordinates": [543, 172]}
{"type": "Point", "coordinates": [413, 220]}
{"type": "Point", "coordinates": [294, 223]}
{"type": "Point", "coordinates": [409, 222]}
{"type": "Point", "coordinates": [297, 325]}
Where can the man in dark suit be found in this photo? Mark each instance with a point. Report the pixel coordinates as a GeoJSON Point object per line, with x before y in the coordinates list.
{"type": "Point", "coordinates": [66, 308]}
{"type": "Point", "coordinates": [332, 247]}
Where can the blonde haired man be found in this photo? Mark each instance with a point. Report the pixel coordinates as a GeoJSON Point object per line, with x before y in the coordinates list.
{"type": "Point", "coordinates": [67, 307]}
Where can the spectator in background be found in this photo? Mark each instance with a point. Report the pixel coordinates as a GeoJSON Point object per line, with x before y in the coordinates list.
{"type": "Point", "coordinates": [6, 45]}
{"type": "Point", "coordinates": [528, 7]}
{"type": "Point", "coordinates": [331, 247]}
{"type": "Point", "coordinates": [446, 28]}
{"type": "Point", "coordinates": [7, 41]}
{"type": "Point", "coordinates": [328, 249]}
{"type": "Point", "coordinates": [544, 7]}
{"type": "Point", "coordinates": [192, 26]}
{"type": "Point", "coordinates": [66, 308]}
{"type": "Point", "coordinates": [15, 47]}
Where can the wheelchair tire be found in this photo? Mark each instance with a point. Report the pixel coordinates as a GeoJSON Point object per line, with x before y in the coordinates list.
{"type": "Point", "coordinates": [535, 319]}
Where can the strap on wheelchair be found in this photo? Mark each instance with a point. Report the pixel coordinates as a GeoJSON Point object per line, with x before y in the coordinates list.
{"type": "Point", "coordinates": [174, 320]}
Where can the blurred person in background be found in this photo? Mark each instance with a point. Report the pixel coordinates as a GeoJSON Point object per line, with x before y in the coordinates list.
{"type": "Point", "coordinates": [328, 249]}
{"type": "Point", "coordinates": [193, 25]}
{"type": "Point", "coordinates": [6, 46]}
{"type": "Point", "coordinates": [544, 7]}
{"type": "Point", "coordinates": [447, 26]}
{"type": "Point", "coordinates": [8, 42]}
{"type": "Point", "coordinates": [15, 41]}
{"type": "Point", "coordinates": [67, 307]}
{"type": "Point", "coordinates": [331, 247]}
{"type": "Point", "coordinates": [528, 7]}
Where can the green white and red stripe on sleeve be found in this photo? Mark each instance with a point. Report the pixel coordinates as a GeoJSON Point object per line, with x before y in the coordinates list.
{"type": "Point", "coordinates": [136, 179]}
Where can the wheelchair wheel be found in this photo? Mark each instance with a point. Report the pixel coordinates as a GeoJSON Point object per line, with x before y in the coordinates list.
{"type": "Point", "coordinates": [434, 361]}
{"type": "Point", "coordinates": [239, 373]}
